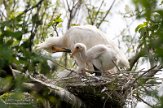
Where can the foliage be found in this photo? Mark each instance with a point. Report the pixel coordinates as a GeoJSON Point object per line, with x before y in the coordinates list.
{"type": "Point", "coordinates": [151, 34]}
{"type": "Point", "coordinates": [26, 23]}
{"type": "Point", "coordinates": [17, 33]}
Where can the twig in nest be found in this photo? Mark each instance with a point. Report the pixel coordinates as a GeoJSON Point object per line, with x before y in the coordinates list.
{"type": "Point", "coordinates": [50, 58]}
{"type": "Point", "coordinates": [138, 97]}
{"type": "Point", "coordinates": [116, 66]}
{"type": "Point", "coordinates": [132, 82]}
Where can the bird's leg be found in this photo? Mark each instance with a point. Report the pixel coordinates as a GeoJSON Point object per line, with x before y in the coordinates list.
{"type": "Point", "coordinates": [96, 71]}
{"type": "Point", "coordinates": [81, 72]}
{"type": "Point", "coordinates": [102, 69]}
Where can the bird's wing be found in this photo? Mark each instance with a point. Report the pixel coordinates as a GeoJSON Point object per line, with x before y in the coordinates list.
{"type": "Point", "coordinates": [97, 63]}
{"type": "Point", "coordinates": [95, 52]}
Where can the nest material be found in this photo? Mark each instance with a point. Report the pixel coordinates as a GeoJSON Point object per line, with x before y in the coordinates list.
{"type": "Point", "coordinates": [95, 92]}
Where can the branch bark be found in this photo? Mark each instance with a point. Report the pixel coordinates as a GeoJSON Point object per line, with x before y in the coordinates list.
{"type": "Point", "coordinates": [37, 85]}
{"type": "Point", "coordinates": [64, 95]}
{"type": "Point", "coordinates": [135, 58]}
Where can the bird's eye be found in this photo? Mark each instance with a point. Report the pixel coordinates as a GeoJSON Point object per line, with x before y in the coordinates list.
{"type": "Point", "coordinates": [77, 47]}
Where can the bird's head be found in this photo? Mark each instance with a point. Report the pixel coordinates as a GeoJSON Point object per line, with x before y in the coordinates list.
{"type": "Point", "coordinates": [78, 48]}
{"type": "Point", "coordinates": [52, 45]}
{"type": "Point", "coordinates": [54, 49]}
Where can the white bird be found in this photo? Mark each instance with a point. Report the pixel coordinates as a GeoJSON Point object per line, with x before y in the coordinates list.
{"type": "Point", "coordinates": [101, 56]}
{"type": "Point", "coordinates": [88, 35]}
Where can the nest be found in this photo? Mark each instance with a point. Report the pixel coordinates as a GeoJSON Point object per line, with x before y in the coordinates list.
{"type": "Point", "coordinates": [97, 93]}
{"type": "Point", "coordinates": [91, 91]}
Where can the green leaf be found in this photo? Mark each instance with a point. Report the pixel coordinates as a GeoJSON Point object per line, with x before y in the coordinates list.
{"type": "Point", "coordinates": [17, 34]}
{"type": "Point", "coordinates": [56, 20]}
{"type": "Point", "coordinates": [5, 56]}
{"type": "Point", "coordinates": [140, 26]}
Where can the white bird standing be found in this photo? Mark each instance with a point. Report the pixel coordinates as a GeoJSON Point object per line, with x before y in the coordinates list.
{"type": "Point", "coordinates": [88, 35]}
{"type": "Point", "coordinates": [101, 56]}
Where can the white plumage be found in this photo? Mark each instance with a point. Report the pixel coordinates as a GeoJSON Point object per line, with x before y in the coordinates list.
{"type": "Point", "coordinates": [101, 56]}
{"type": "Point", "coordinates": [88, 35]}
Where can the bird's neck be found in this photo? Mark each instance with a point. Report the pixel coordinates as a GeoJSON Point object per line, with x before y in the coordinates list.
{"type": "Point", "coordinates": [83, 54]}
{"type": "Point", "coordinates": [82, 59]}
{"type": "Point", "coordinates": [61, 42]}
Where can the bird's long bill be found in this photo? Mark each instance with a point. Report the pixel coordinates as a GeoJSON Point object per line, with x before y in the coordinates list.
{"type": "Point", "coordinates": [74, 52]}
{"type": "Point", "coordinates": [58, 49]}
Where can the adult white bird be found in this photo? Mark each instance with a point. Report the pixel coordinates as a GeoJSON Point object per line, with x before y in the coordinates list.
{"type": "Point", "coordinates": [103, 57]}
{"type": "Point", "coordinates": [88, 35]}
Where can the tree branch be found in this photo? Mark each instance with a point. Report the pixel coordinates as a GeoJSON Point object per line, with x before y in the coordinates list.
{"type": "Point", "coordinates": [28, 9]}
{"type": "Point", "coordinates": [145, 76]}
{"type": "Point", "coordinates": [98, 11]}
{"type": "Point", "coordinates": [89, 15]}
{"type": "Point", "coordinates": [136, 57]}
{"type": "Point", "coordinates": [138, 97]}
{"type": "Point", "coordinates": [41, 83]}
{"type": "Point", "coordinates": [101, 21]}
{"type": "Point", "coordinates": [64, 95]}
